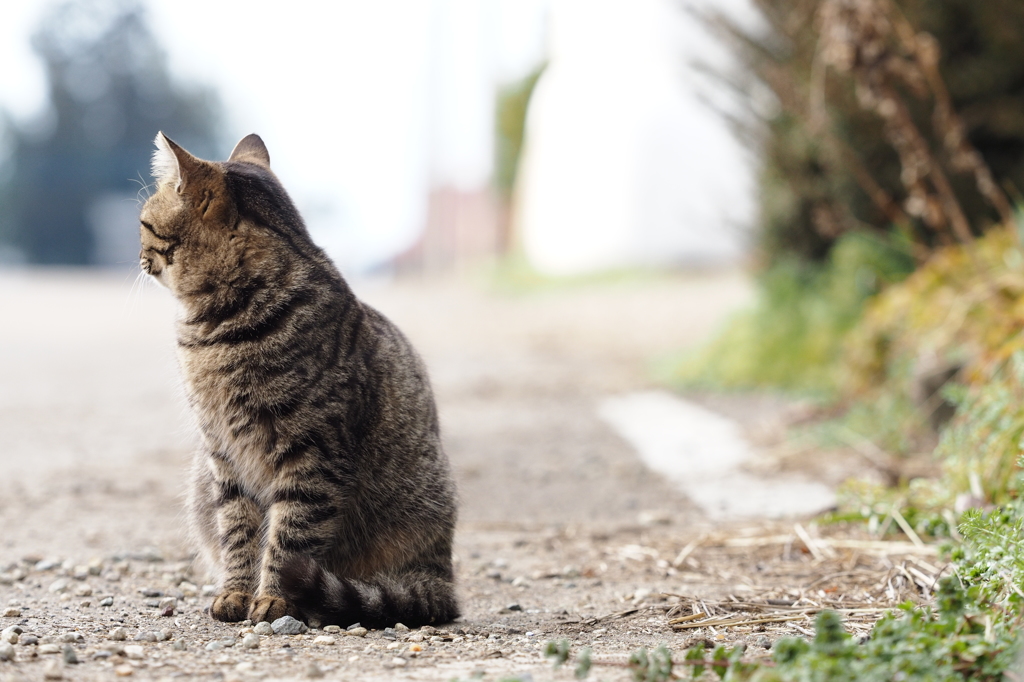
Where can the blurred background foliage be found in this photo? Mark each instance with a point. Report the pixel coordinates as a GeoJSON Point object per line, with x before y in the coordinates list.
{"type": "Point", "coordinates": [827, 158]}
{"type": "Point", "coordinates": [68, 173]}
{"type": "Point", "coordinates": [891, 140]}
{"type": "Point", "coordinates": [513, 101]}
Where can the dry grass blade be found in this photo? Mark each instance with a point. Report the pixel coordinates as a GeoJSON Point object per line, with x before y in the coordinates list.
{"type": "Point", "coordinates": [905, 527]}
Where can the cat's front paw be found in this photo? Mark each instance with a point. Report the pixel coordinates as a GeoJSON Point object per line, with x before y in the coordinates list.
{"type": "Point", "coordinates": [268, 608]}
{"type": "Point", "coordinates": [231, 607]}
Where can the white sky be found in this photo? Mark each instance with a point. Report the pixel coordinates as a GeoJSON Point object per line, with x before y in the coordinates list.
{"type": "Point", "coordinates": [362, 104]}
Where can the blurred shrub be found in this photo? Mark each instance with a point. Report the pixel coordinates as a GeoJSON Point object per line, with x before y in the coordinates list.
{"type": "Point", "coordinates": [963, 308]}
{"type": "Point", "coordinates": [981, 448]}
{"type": "Point", "coordinates": [832, 161]}
{"type": "Point", "coordinates": [793, 338]}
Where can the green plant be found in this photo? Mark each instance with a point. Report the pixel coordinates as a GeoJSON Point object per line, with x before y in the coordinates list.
{"type": "Point", "coordinates": [793, 338]}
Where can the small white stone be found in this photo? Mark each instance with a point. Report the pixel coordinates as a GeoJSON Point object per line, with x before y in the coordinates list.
{"type": "Point", "coordinates": [357, 632]}
{"type": "Point", "coordinates": [398, 662]}
{"type": "Point", "coordinates": [264, 629]}
{"type": "Point", "coordinates": [251, 641]}
{"type": "Point", "coordinates": [6, 651]}
{"type": "Point", "coordinates": [53, 671]}
{"type": "Point", "coordinates": [399, 627]}
{"type": "Point", "coordinates": [12, 612]}
{"type": "Point", "coordinates": [49, 648]}
{"type": "Point", "coordinates": [332, 628]}
{"type": "Point", "coordinates": [188, 589]}
{"type": "Point", "coordinates": [134, 652]}
{"type": "Point", "coordinates": [59, 585]}
{"type": "Point", "coordinates": [324, 639]}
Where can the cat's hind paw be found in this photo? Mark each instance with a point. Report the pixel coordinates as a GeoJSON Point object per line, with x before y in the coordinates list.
{"type": "Point", "coordinates": [231, 607]}
{"type": "Point", "coordinates": [267, 608]}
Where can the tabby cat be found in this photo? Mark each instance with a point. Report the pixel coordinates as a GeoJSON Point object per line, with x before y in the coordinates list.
{"type": "Point", "coordinates": [322, 491]}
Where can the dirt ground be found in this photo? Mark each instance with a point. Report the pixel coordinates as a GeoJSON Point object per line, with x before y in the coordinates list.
{"type": "Point", "coordinates": [563, 533]}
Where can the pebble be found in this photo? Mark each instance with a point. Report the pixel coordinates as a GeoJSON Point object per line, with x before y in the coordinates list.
{"type": "Point", "coordinates": [53, 671]}
{"type": "Point", "coordinates": [145, 636]}
{"type": "Point", "coordinates": [12, 612]}
{"type": "Point", "coordinates": [49, 648]}
{"type": "Point", "coordinates": [389, 633]}
{"type": "Point", "coordinates": [85, 603]}
{"type": "Point", "coordinates": [251, 641]}
{"type": "Point", "coordinates": [314, 671]}
{"type": "Point", "coordinates": [513, 607]}
{"type": "Point", "coordinates": [59, 585]}
{"type": "Point", "coordinates": [102, 654]}
{"type": "Point", "coordinates": [214, 646]}
{"type": "Point", "coordinates": [332, 628]}
{"type": "Point", "coordinates": [107, 601]}
{"type": "Point", "coordinates": [324, 639]}
{"type": "Point", "coordinates": [70, 657]}
{"type": "Point", "coordinates": [6, 651]}
{"type": "Point", "coordinates": [46, 564]}
{"type": "Point", "coordinates": [264, 629]}
{"type": "Point", "coordinates": [123, 671]}
{"type": "Point", "coordinates": [83, 591]}
{"type": "Point", "coordinates": [71, 638]}
{"type": "Point", "coordinates": [286, 625]}
{"type": "Point", "coordinates": [118, 634]}
{"type": "Point", "coordinates": [763, 642]}
{"type": "Point", "coordinates": [416, 637]}
{"type": "Point", "coordinates": [357, 632]}
{"type": "Point", "coordinates": [398, 662]}
{"type": "Point", "coordinates": [167, 606]}
{"type": "Point", "coordinates": [150, 592]}
{"type": "Point", "coordinates": [28, 640]}
{"type": "Point", "coordinates": [10, 635]}
{"type": "Point", "coordinates": [399, 627]}
{"type": "Point", "coordinates": [134, 652]}
{"type": "Point", "coordinates": [179, 645]}
{"type": "Point", "coordinates": [188, 589]}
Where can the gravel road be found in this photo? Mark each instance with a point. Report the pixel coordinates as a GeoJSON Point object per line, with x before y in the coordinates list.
{"type": "Point", "coordinates": [562, 529]}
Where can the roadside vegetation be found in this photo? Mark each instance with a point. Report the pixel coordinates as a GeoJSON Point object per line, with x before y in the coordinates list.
{"type": "Point", "coordinates": [892, 293]}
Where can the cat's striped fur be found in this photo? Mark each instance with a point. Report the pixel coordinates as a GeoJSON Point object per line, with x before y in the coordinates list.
{"type": "Point", "coordinates": [322, 491]}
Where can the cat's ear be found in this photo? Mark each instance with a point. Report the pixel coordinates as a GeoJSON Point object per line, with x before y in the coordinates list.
{"type": "Point", "coordinates": [171, 163]}
{"type": "Point", "coordinates": [251, 149]}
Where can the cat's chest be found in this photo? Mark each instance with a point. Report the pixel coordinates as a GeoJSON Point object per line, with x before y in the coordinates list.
{"type": "Point", "coordinates": [227, 407]}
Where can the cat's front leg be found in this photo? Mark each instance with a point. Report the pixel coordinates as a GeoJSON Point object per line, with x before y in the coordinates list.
{"type": "Point", "coordinates": [239, 521]}
{"type": "Point", "coordinates": [302, 521]}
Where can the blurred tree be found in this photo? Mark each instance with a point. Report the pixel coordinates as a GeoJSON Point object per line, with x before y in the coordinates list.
{"type": "Point", "coordinates": [109, 93]}
{"type": "Point", "coordinates": [509, 129]}
{"type": "Point", "coordinates": [510, 125]}
{"type": "Point", "coordinates": [828, 161]}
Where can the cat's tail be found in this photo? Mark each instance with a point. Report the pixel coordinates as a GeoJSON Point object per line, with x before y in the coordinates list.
{"type": "Point", "coordinates": [415, 597]}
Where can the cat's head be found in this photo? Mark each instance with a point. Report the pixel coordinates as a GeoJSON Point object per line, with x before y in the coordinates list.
{"type": "Point", "coordinates": [211, 225]}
